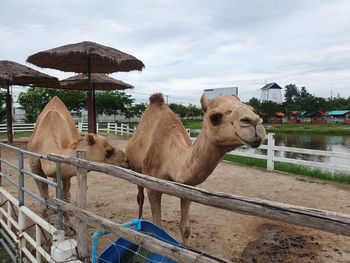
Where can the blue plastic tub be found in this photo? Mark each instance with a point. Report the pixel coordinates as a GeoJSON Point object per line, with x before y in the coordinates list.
{"type": "Point", "coordinates": [123, 251]}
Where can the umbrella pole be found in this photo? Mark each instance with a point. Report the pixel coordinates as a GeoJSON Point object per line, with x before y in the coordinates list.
{"type": "Point", "coordinates": [90, 98]}
{"type": "Point", "coordinates": [9, 115]}
{"type": "Point", "coordinates": [94, 107]}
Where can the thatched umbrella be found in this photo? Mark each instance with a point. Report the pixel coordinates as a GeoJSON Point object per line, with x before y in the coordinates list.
{"type": "Point", "coordinates": [87, 57]}
{"type": "Point", "coordinates": [12, 73]}
{"type": "Point", "coordinates": [99, 82]}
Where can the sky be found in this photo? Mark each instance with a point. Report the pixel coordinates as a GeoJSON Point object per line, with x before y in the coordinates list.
{"type": "Point", "coordinates": [189, 46]}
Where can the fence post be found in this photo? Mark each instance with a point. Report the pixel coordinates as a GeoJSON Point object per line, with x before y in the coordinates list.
{"type": "Point", "coordinates": [116, 128]}
{"type": "Point", "coordinates": [81, 226]}
{"type": "Point", "coordinates": [80, 127]}
{"type": "Point", "coordinates": [97, 127]}
{"type": "Point", "coordinates": [128, 129]}
{"type": "Point", "coordinates": [108, 127]}
{"type": "Point", "coordinates": [270, 151]}
{"type": "Point", "coordinates": [0, 176]}
{"type": "Point", "coordinates": [122, 128]}
{"type": "Point", "coordinates": [59, 195]}
{"type": "Point", "coordinates": [20, 179]}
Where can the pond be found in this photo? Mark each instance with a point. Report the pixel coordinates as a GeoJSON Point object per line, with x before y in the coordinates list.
{"type": "Point", "coordinates": [315, 142]}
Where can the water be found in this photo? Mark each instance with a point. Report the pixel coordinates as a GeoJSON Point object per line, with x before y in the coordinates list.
{"type": "Point", "coordinates": [315, 142]}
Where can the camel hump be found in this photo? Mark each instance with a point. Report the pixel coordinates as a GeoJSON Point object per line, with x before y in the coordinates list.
{"type": "Point", "coordinates": [55, 102]}
{"type": "Point", "coordinates": [156, 99]}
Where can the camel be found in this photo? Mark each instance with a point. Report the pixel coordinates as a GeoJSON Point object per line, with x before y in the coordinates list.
{"type": "Point", "coordinates": [55, 132]}
{"type": "Point", "coordinates": [161, 147]}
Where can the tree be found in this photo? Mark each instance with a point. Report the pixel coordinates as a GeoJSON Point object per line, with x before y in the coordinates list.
{"type": "Point", "coordinates": [2, 106]}
{"type": "Point", "coordinates": [179, 109]}
{"type": "Point", "coordinates": [136, 110]}
{"type": "Point", "coordinates": [34, 100]}
{"type": "Point", "coordinates": [112, 102]}
{"type": "Point", "coordinates": [291, 94]}
{"type": "Point", "coordinates": [255, 103]}
{"type": "Point", "coordinates": [194, 111]}
{"type": "Point", "coordinates": [270, 108]}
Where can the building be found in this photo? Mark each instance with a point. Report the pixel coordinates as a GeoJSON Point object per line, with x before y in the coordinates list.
{"type": "Point", "coordinates": [340, 115]}
{"type": "Point", "coordinates": [271, 92]}
{"type": "Point", "coordinates": [212, 93]}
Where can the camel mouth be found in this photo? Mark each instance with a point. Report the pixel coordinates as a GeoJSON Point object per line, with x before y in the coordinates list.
{"type": "Point", "coordinates": [253, 144]}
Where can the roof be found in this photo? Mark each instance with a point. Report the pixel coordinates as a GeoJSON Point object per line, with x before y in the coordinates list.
{"type": "Point", "coordinates": [273, 85]}
{"type": "Point", "coordinates": [75, 58]}
{"type": "Point", "coordinates": [293, 113]}
{"type": "Point", "coordinates": [338, 112]}
{"type": "Point", "coordinates": [13, 73]}
{"type": "Point", "coordinates": [99, 82]}
{"type": "Point", "coordinates": [279, 114]}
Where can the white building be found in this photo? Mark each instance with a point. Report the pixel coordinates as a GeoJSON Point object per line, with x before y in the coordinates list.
{"type": "Point", "coordinates": [212, 93]}
{"type": "Point", "coordinates": [271, 92]}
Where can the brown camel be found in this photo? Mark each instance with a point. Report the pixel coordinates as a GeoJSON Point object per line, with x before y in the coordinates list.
{"type": "Point", "coordinates": [55, 132]}
{"type": "Point", "coordinates": [162, 148]}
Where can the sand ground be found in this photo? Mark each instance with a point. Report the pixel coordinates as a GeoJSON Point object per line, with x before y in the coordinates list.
{"type": "Point", "coordinates": [239, 238]}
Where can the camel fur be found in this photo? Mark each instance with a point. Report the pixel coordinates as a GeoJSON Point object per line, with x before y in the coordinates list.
{"type": "Point", "coordinates": [55, 132]}
{"type": "Point", "coordinates": [162, 148]}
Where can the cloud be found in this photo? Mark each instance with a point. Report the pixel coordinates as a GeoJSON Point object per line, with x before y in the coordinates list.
{"type": "Point", "coordinates": [188, 46]}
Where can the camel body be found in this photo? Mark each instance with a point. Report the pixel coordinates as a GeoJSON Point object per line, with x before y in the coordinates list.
{"type": "Point", "coordinates": [55, 132]}
{"type": "Point", "coordinates": [162, 148]}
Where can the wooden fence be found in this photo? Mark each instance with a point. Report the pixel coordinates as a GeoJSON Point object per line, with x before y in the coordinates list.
{"type": "Point", "coordinates": [270, 154]}
{"type": "Point", "coordinates": [332, 222]}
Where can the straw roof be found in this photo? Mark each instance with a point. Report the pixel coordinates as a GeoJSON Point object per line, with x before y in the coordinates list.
{"type": "Point", "coordinates": [12, 73]}
{"type": "Point", "coordinates": [99, 82]}
{"type": "Point", "coordinates": [74, 58]}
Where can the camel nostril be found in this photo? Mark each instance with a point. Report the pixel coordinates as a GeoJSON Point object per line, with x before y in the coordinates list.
{"type": "Point", "coordinates": [256, 143]}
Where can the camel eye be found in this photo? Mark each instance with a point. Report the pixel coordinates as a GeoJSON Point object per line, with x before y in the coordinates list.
{"type": "Point", "coordinates": [216, 118]}
{"type": "Point", "coordinates": [228, 112]}
{"type": "Point", "coordinates": [109, 153]}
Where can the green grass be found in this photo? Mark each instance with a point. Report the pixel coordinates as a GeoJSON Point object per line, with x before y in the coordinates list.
{"type": "Point", "coordinates": [192, 124]}
{"type": "Point", "coordinates": [321, 129]}
{"type": "Point", "coordinates": [16, 135]}
{"type": "Point", "coordinates": [291, 128]}
{"type": "Point", "coordinates": [291, 168]}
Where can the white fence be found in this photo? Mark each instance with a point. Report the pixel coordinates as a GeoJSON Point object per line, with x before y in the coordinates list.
{"type": "Point", "coordinates": [26, 236]}
{"type": "Point", "coordinates": [270, 156]}
{"type": "Point", "coordinates": [16, 226]}
{"type": "Point", "coordinates": [18, 127]}
{"type": "Point", "coordinates": [114, 128]}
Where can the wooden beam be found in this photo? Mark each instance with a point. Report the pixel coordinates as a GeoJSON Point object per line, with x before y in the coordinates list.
{"type": "Point", "coordinates": [332, 222]}
{"type": "Point", "coordinates": [81, 225]}
{"type": "Point", "coordinates": [138, 238]}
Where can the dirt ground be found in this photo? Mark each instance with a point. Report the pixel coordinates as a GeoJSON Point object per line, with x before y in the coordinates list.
{"type": "Point", "coordinates": [235, 237]}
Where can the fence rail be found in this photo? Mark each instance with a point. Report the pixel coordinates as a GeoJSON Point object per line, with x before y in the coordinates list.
{"type": "Point", "coordinates": [332, 222]}
{"type": "Point", "coordinates": [270, 156]}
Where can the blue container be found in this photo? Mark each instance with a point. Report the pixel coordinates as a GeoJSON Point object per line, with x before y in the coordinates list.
{"type": "Point", "coordinates": [123, 251]}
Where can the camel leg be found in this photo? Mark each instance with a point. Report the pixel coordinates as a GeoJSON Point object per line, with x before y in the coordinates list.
{"type": "Point", "coordinates": [140, 200]}
{"type": "Point", "coordinates": [155, 202]}
{"type": "Point", "coordinates": [66, 189]}
{"type": "Point", "coordinates": [184, 226]}
{"type": "Point", "coordinates": [44, 192]}
{"type": "Point", "coordinates": [66, 197]}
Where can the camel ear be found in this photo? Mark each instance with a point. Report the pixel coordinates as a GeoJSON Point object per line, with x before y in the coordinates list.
{"type": "Point", "coordinates": [204, 103]}
{"type": "Point", "coordinates": [90, 139]}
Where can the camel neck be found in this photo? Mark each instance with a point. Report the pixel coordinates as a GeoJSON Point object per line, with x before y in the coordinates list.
{"type": "Point", "coordinates": [203, 158]}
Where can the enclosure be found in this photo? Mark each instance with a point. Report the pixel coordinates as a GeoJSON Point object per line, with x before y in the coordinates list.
{"type": "Point", "coordinates": [236, 237]}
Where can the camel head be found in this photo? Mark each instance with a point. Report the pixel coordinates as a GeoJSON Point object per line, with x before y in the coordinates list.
{"type": "Point", "coordinates": [98, 149]}
{"type": "Point", "coordinates": [230, 123]}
